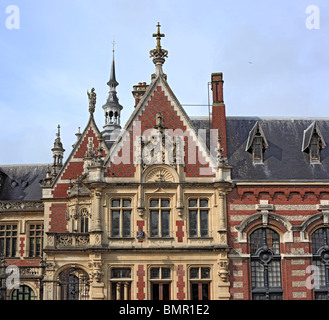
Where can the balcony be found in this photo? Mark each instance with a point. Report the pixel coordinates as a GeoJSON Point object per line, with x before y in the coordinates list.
{"type": "Point", "coordinates": [67, 240]}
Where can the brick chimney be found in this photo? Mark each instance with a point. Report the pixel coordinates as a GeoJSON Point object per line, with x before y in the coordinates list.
{"type": "Point", "coordinates": [138, 92]}
{"type": "Point", "coordinates": [218, 109]}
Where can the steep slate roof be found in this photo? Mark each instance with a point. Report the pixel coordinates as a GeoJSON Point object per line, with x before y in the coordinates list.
{"type": "Point", "coordinates": [284, 159]}
{"type": "Point", "coordinates": [22, 182]}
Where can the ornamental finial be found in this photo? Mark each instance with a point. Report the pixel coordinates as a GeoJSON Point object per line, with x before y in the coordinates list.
{"type": "Point", "coordinates": [158, 54]}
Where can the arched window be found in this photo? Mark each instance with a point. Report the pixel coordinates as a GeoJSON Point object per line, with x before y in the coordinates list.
{"type": "Point", "coordinates": [265, 265]}
{"type": "Point", "coordinates": [23, 293]}
{"type": "Point", "coordinates": [320, 250]}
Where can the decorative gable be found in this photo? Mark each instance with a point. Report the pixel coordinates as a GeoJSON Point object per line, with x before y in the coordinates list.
{"type": "Point", "coordinates": [75, 165]}
{"type": "Point", "coordinates": [257, 144]}
{"type": "Point", "coordinates": [313, 142]}
{"type": "Point", "coordinates": [158, 133]}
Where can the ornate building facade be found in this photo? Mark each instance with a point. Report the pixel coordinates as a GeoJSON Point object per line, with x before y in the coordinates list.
{"type": "Point", "coordinates": [170, 207]}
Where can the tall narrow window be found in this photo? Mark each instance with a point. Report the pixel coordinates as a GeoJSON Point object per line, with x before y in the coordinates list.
{"type": "Point", "coordinates": [265, 265]}
{"type": "Point", "coordinates": [8, 240]}
{"type": "Point", "coordinates": [160, 218]}
{"type": "Point", "coordinates": [35, 240]}
{"type": "Point", "coordinates": [160, 283]}
{"type": "Point", "coordinates": [84, 221]}
{"type": "Point", "coordinates": [120, 283]}
{"type": "Point", "coordinates": [199, 218]}
{"type": "Point", "coordinates": [200, 283]}
{"type": "Point", "coordinates": [320, 251]}
{"type": "Point", "coordinates": [121, 218]}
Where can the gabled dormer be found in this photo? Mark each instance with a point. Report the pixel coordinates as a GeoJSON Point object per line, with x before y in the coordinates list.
{"type": "Point", "coordinates": [313, 142]}
{"type": "Point", "coordinates": [257, 144]}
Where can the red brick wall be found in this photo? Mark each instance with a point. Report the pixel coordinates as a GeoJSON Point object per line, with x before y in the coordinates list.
{"type": "Point", "coordinates": [21, 246]}
{"type": "Point", "coordinates": [58, 222]}
{"type": "Point", "coordinates": [180, 232]}
{"type": "Point", "coordinates": [158, 103]}
{"type": "Point", "coordinates": [75, 169]}
{"type": "Point", "coordinates": [296, 204]}
{"type": "Point", "coordinates": [180, 282]}
{"type": "Point", "coordinates": [140, 283]}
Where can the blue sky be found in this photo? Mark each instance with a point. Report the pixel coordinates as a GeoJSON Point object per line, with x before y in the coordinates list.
{"type": "Point", "coordinates": [273, 64]}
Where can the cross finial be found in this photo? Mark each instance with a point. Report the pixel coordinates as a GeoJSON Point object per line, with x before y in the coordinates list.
{"type": "Point", "coordinates": [158, 35]}
{"type": "Point", "coordinates": [158, 53]}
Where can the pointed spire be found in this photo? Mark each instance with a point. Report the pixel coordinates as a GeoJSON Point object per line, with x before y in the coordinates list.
{"type": "Point", "coordinates": [112, 108]}
{"type": "Point", "coordinates": [58, 152]}
{"type": "Point", "coordinates": [113, 82]}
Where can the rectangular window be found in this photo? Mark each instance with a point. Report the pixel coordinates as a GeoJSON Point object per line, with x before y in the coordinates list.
{"type": "Point", "coordinates": [160, 284]}
{"type": "Point", "coordinates": [35, 240]}
{"type": "Point", "coordinates": [121, 218]}
{"type": "Point", "coordinates": [160, 218]}
{"type": "Point", "coordinates": [200, 285]}
{"type": "Point", "coordinates": [121, 284]}
{"type": "Point", "coordinates": [198, 218]}
{"type": "Point", "coordinates": [8, 240]}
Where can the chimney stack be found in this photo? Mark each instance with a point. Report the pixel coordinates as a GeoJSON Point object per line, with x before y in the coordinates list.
{"type": "Point", "coordinates": [138, 92]}
{"type": "Point", "coordinates": [218, 109]}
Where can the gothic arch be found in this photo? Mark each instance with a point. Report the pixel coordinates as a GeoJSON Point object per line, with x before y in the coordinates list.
{"type": "Point", "coordinates": [265, 219]}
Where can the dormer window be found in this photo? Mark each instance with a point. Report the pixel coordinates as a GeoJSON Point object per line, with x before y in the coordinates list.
{"type": "Point", "coordinates": [257, 144]}
{"type": "Point", "coordinates": [313, 143]}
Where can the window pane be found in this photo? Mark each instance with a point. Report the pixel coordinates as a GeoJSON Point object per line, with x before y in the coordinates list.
{"type": "Point", "coordinates": [120, 273]}
{"type": "Point", "coordinates": [203, 203]}
{"type": "Point", "coordinates": [7, 247]}
{"type": "Point", "coordinates": [257, 274]}
{"type": "Point", "coordinates": [154, 223]}
{"type": "Point", "coordinates": [274, 274]}
{"type": "Point", "coordinates": [193, 203]}
{"type": "Point", "coordinates": [155, 291]}
{"type": "Point", "coordinates": [204, 223]}
{"type": "Point", "coordinates": [116, 203]}
{"type": "Point", "coordinates": [31, 251]}
{"type": "Point", "coordinates": [126, 203]}
{"type": "Point", "coordinates": [193, 220]}
{"type": "Point", "coordinates": [126, 223]}
{"type": "Point", "coordinates": [319, 272]}
{"type": "Point", "coordinates": [256, 240]}
{"type": "Point", "coordinates": [154, 203]}
{"type": "Point", "coordinates": [2, 246]}
{"type": "Point", "coordinates": [205, 291]}
{"type": "Point", "coordinates": [195, 291]}
{"type": "Point", "coordinates": [165, 273]}
{"type": "Point", "coordinates": [166, 291]}
{"type": "Point", "coordinates": [273, 240]}
{"type": "Point", "coordinates": [205, 273]}
{"type": "Point", "coordinates": [155, 273]}
{"type": "Point", "coordinates": [165, 223]}
{"type": "Point", "coordinates": [194, 273]}
{"type": "Point", "coordinates": [115, 223]}
{"type": "Point", "coordinates": [165, 203]}
{"type": "Point", "coordinates": [38, 247]}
